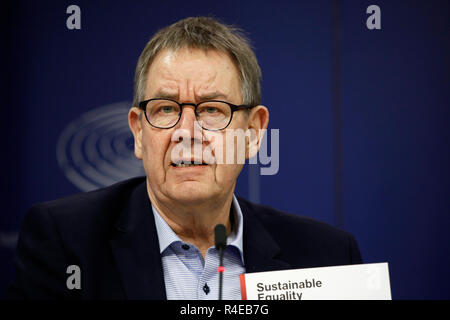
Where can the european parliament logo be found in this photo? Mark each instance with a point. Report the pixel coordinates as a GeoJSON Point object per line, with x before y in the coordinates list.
{"type": "Point", "coordinates": [96, 150]}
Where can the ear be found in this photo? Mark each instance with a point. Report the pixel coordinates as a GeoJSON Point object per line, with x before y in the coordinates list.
{"type": "Point", "coordinates": [258, 120]}
{"type": "Point", "coordinates": [135, 116]}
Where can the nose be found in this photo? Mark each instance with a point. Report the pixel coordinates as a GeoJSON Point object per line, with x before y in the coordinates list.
{"type": "Point", "coordinates": [188, 125]}
{"type": "Point", "coordinates": [188, 118]}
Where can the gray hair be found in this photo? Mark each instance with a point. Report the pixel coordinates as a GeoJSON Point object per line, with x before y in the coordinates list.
{"type": "Point", "coordinates": [208, 34]}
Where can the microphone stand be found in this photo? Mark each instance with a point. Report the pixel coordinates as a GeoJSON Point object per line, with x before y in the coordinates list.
{"type": "Point", "coordinates": [220, 235]}
{"type": "Point", "coordinates": [221, 270]}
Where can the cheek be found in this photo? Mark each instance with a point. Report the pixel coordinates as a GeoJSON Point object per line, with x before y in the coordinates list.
{"type": "Point", "coordinates": [232, 145]}
{"type": "Point", "coordinates": [154, 147]}
{"type": "Point", "coordinates": [229, 159]}
{"type": "Point", "coordinates": [227, 147]}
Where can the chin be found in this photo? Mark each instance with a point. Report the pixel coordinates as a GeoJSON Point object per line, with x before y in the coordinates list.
{"type": "Point", "coordinates": [192, 192]}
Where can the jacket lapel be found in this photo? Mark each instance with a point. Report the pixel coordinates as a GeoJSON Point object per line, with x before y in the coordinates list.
{"type": "Point", "coordinates": [135, 248]}
{"type": "Point", "coordinates": [260, 249]}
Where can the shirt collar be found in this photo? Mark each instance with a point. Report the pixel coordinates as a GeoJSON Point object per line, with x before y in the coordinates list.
{"type": "Point", "coordinates": [166, 236]}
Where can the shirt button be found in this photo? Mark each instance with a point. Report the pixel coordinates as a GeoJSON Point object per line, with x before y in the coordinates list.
{"type": "Point", "coordinates": [206, 288]}
{"type": "Point", "coordinates": [185, 247]}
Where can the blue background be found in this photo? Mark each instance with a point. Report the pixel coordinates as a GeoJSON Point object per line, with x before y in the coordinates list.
{"type": "Point", "coordinates": [363, 114]}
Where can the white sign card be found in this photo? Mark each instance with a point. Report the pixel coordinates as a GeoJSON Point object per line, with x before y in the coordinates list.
{"type": "Point", "coordinates": [349, 282]}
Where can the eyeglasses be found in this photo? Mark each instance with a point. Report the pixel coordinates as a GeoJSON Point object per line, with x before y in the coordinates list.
{"type": "Point", "coordinates": [212, 115]}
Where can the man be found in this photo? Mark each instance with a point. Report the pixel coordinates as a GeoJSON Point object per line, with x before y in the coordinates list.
{"type": "Point", "coordinates": [153, 237]}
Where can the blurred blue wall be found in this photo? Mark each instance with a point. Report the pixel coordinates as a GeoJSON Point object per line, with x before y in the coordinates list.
{"type": "Point", "coordinates": [363, 115]}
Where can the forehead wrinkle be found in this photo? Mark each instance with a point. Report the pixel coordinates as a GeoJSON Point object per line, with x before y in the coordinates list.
{"type": "Point", "coordinates": [212, 90]}
{"type": "Point", "coordinates": [197, 83]}
{"type": "Point", "coordinates": [161, 75]}
{"type": "Point", "coordinates": [208, 90]}
{"type": "Point", "coordinates": [165, 84]}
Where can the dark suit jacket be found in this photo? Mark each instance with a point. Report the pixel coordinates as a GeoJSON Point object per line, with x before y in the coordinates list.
{"type": "Point", "coordinates": [111, 235]}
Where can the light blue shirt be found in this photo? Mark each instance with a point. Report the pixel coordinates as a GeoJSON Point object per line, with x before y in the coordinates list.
{"type": "Point", "coordinates": [188, 276]}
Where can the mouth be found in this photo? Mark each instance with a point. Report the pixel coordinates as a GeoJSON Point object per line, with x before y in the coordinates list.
{"type": "Point", "coordinates": [187, 164]}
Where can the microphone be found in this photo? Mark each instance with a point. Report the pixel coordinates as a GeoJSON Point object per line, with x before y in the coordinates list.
{"type": "Point", "coordinates": [220, 237]}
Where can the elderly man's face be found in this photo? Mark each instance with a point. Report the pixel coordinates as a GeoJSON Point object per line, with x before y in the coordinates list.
{"type": "Point", "coordinates": [188, 75]}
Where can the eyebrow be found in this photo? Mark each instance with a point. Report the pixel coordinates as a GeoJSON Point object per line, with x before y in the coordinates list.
{"type": "Point", "coordinates": [212, 96]}
{"type": "Point", "coordinates": [208, 96]}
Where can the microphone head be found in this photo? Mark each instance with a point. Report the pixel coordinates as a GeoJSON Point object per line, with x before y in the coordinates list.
{"type": "Point", "coordinates": [220, 236]}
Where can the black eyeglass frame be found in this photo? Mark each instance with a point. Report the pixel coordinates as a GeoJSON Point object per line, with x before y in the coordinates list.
{"type": "Point", "coordinates": [233, 107]}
